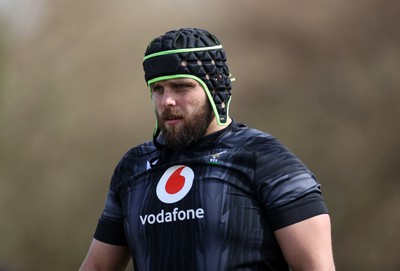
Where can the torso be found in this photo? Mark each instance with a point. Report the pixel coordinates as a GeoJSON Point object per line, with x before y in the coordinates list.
{"type": "Point", "coordinates": [198, 210]}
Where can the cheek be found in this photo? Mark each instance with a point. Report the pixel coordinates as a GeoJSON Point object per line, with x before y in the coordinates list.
{"type": "Point", "coordinates": [156, 104]}
{"type": "Point", "coordinates": [198, 103]}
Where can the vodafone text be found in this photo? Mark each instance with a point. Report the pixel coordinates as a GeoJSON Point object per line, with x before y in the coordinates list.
{"type": "Point", "coordinates": [175, 215]}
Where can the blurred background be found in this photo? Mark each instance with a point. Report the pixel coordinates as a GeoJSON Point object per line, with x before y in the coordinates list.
{"type": "Point", "coordinates": [322, 76]}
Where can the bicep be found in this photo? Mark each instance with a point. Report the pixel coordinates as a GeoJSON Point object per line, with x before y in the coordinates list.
{"type": "Point", "coordinates": [103, 256]}
{"type": "Point", "coordinates": [307, 245]}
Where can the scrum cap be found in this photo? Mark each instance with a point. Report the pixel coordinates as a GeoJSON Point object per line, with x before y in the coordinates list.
{"type": "Point", "coordinates": [191, 53]}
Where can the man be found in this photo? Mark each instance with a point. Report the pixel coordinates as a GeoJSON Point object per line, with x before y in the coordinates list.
{"type": "Point", "coordinates": [207, 193]}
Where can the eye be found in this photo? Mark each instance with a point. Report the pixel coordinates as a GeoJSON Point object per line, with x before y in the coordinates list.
{"type": "Point", "coordinates": [183, 86]}
{"type": "Point", "coordinates": [157, 89]}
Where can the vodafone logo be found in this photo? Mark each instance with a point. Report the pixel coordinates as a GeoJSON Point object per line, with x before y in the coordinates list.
{"type": "Point", "coordinates": [173, 186]}
{"type": "Point", "coordinates": [175, 183]}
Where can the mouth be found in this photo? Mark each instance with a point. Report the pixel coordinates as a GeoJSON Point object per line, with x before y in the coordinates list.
{"type": "Point", "coordinates": [172, 120]}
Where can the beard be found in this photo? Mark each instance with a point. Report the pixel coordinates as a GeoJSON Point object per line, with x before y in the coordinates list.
{"type": "Point", "coordinates": [191, 129]}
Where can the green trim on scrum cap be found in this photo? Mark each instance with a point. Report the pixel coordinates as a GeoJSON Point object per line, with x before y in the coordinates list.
{"type": "Point", "coordinates": [185, 50]}
{"type": "Point", "coordinates": [209, 96]}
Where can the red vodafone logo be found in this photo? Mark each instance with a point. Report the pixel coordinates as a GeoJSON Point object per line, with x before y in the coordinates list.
{"type": "Point", "coordinates": [175, 183]}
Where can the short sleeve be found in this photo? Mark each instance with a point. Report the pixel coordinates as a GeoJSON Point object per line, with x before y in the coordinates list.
{"type": "Point", "coordinates": [309, 206]}
{"type": "Point", "coordinates": [283, 181]}
{"type": "Point", "coordinates": [110, 228]}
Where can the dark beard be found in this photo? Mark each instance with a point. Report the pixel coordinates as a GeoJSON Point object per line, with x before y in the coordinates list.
{"type": "Point", "coordinates": [191, 131]}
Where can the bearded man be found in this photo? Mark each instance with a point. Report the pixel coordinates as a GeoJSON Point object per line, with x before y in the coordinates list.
{"type": "Point", "coordinates": [207, 193]}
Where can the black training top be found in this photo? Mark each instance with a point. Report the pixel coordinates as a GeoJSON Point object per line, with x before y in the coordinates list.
{"type": "Point", "coordinates": [212, 207]}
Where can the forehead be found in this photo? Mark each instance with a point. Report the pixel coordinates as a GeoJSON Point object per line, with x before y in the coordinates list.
{"type": "Point", "coordinates": [175, 81]}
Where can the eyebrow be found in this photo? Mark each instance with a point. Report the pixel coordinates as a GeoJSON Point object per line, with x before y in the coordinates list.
{"type": "Point", "coordinates": [174, 83]}
{"type": "Point", "coordinates": [184, 82]}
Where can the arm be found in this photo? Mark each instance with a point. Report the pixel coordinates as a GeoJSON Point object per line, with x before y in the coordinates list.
{"type": "Point", "coordinates": [105, 257]}
{"type": "Point", "coordinates": [307, 245]}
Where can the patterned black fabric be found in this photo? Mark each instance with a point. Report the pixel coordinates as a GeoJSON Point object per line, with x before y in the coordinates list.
{"type": "Point", "coordinates": [213, 207]}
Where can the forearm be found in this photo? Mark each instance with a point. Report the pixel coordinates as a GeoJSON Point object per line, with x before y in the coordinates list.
{"type": "Point", "coordinates": [105, 257]}
{"type": "Point", "coordinates": [307, 245]}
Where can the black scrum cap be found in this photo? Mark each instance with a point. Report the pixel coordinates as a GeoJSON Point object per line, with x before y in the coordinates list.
{"type": "Point", "coordinates": [191, 53]}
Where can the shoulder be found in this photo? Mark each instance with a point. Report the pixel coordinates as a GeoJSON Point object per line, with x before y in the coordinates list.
{"type": "Point", "coordinates": [137, 157]}
{"type": "Point", "coordinates": [144, 149]}
{"type": "Point", "coordinates": [250, 138]}
{"type": "Point", "coordinates": [271, 156]}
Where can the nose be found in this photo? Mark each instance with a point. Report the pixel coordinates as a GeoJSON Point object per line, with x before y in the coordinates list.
{"type": "Point", "coordinates": [168, 98]}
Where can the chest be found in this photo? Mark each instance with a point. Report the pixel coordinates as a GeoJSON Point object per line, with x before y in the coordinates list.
{"type": "Point", "coordinates": [202, 191]}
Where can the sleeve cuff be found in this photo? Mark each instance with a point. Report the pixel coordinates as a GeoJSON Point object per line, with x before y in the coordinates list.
{"type": "Point", "coordinates": [110, 232]}
{"type": "Point", "coordinates": [311, 205]}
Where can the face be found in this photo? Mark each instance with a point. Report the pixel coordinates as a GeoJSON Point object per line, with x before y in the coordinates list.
{"type": "Point", "coordinates": [183, 111]}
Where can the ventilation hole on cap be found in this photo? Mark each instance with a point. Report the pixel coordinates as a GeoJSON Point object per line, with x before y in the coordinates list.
{"type": "Point", "coordinates": [213, 38]}
{"type": "Point", "coordinates": [199, 62]}
{"type": "Point", "coordinates": [207, 77]}
{"type": "Point", "coordinates": [179, 41]}
{"type": "Point", "coordinates": [223, 105]}
{"type": "Point", "coordinates": [219, 76]}
{"type": "Point", "coordinates": [183, 63]}
{"type": "Point", "coordinates": [213, 61]}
